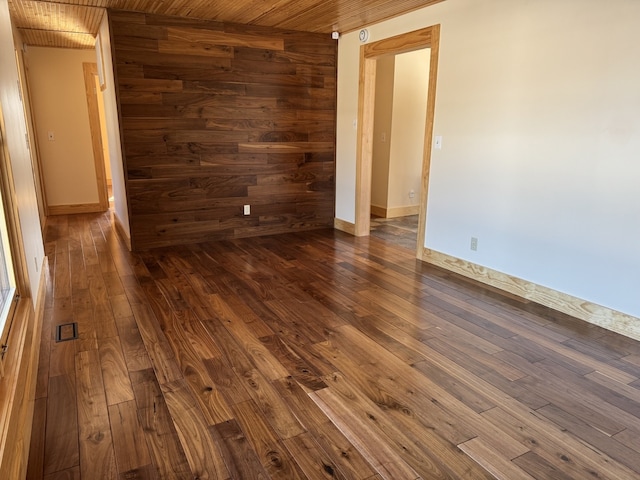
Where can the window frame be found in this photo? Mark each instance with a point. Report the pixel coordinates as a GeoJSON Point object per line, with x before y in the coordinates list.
{"type": "Point", "coordinates": [16, 253]}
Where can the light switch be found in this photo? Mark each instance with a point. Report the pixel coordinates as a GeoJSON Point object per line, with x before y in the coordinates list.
{"type": "Point", "coordinates": [438, 142]}
{"type": "Point", "coordinates": [51, 136]}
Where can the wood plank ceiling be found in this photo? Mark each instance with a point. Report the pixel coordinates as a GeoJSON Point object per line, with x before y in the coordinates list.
{"type": "Point", "coordinates": [75, 23]}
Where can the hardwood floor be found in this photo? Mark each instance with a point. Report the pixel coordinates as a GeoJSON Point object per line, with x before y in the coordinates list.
{"type": "Point", "coordinates": [402, 231]}
{"type": "Point", "coordinates": [315, 355]}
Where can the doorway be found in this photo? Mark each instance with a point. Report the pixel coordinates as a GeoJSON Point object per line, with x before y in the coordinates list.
{"type": "Point", "coordinates": [97, 127]}
{"type": "Point", "coordinates": [369, 56]}
{"type": "Point", "coordinates": [399, 127]}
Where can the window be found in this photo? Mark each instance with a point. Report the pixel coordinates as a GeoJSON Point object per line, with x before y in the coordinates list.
{"type": "Point", "coordinates": [7, 277]}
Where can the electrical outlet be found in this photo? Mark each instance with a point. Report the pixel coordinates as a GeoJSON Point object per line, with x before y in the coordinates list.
{"type": "Point", "coordinates": [474, 244]}
{"type": "Point", "coordinates": [412, 194]}
{"type": "Point", "coordinates": [247, 209]}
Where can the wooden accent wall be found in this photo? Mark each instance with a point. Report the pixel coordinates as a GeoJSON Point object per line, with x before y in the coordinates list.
{"type": "Point", "coordinates": [215, 116]}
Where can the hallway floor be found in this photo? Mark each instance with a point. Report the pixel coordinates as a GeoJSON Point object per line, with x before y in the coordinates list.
{"type": "Point", "coordinates": [401, 231]}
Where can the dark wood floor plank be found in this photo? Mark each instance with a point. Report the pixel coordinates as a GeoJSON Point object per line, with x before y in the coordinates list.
{"type": "Point", "coordinates": [299, 369]}
{"type": "Point", "coordinates": [629, 394]}
{"type": "Point", "coordinates": [113, 284]}
{"type": "Point", "coordinates": [565, 395]}
{"type": "Point", "coordinates": [203, 454]}
{"type": "Point", "coordinates": [192, 345]}
{"type": "Point", "coordinates": [402, 389]}
{"type": "Point", "coordinates": [281, 418]}
{"type": "Point", "coordinates": [147, 472]}
{"type": "Point", "coordinates": [97, 285]}
{"type": "Point", "coordinates": [275, 459]}
{"type": "Point", "coordinates": [132, 289]}
{"type": "Point", "coordinates": [78, 271]}
{"type": "Point", "coordinates": [128, 438]}
{"type": "Point", "coordinates": [493, 460]}
{"type": "Point", "coordinates": [61, 275]}
{"type": "Point", "coordinates": [104, 320]}
{"type": "Point", "coordinates": [62, 358]}
{"type": "Point", "coordinates": [618, 406]}
{"type": "Point", "coordinates": [334, 443]}
{"type": "Point", "coordinates": [421, 448]}
{"type": "Point", "coordinates": [61, 449]}
{"type": "Point", "coordinates": [69, 474]}
{"type": "Point", "coordinates": [603, 442]}
{"type": "Point", "coordinates": [114, 371]}
{"type": "Point", "coordinates": [254, 322]}
{"type": "Point", "coordinates": [87, 331]}
{"type": "Point", "coordinates": [315, 355]}
{"type": "Point", "coordinates": [539, 467]}
{"type": "Point", "coordinates": [313, 461]}
{"type": "Point", "coordinates": [35, 464]}
{"type": "Point", "coordinates": [96, 444]}
{"type": "Point", "coordinates": [162, 358]}
{"type": "Point", "coordinates": [46, 339]}
{"type": "Point", "coordinates": [558, 447]}
{"type": "Point", "coordinates": [133, 349]}
{"type": "Point", "coordinates": [239, 457]}
{"type": "Point", "coordinates": [258, 354]}
{"type": "Point", "coordinates": [628, 437]}
{"type": "Point", "coordinates": [369, 441]}
{"type": "Point", "coordinates": [167, 454]}
{"type": "Point", "coordinates": [477, 402]}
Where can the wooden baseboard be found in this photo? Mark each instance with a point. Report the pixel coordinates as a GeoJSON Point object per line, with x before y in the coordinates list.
{"type": "Point", "coordinates": [590, 312]}
{"type": "Point", "coordinates": [395, 212]}
{"type": "Point", "coordinates": [73, 209]}
{"type": "Point", "coordinates": [344, 226]}
{"type": "Point", "coordinates": [379, 211]}
{"type": "Point", "coordinates": [122, 233]}
{"type": "Point", "coordinates": [18, 386]}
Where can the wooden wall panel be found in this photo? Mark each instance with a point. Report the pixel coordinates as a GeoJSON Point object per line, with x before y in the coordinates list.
{"type": "Point", "coordinates": [215, 116]}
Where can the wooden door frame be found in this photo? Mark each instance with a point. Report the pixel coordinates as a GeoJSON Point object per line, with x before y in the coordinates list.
{"type": "Point", "coordinates": [31, 127]}
{"type": "Point", "coordinates": [425, 38]}
{"type": "Point", "coordinates": [90, 72]}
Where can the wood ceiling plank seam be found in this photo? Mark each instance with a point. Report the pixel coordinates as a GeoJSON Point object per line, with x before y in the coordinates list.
{"type": "Point", "coordinates": [275, 8]}
{"type": "Point", "coordinates": [355, 21]}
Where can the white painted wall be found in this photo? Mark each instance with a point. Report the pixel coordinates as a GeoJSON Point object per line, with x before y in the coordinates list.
{"type": "Point", "coordinates": [408, 125]}
{"type": "Point", "coordinates": [539, 108]}
{"type": "Point", "coordinates": [57, 88]}
{"type": "Point", "coordinates": [15, 129]}
{"type": "Point", "coordinates": [398, 132]}
{"type": "Point", "coordinates": [113, 131]}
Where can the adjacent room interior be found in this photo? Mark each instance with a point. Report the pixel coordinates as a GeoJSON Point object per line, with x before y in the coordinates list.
{"type": "Point", "coordinates": [307, 239]}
